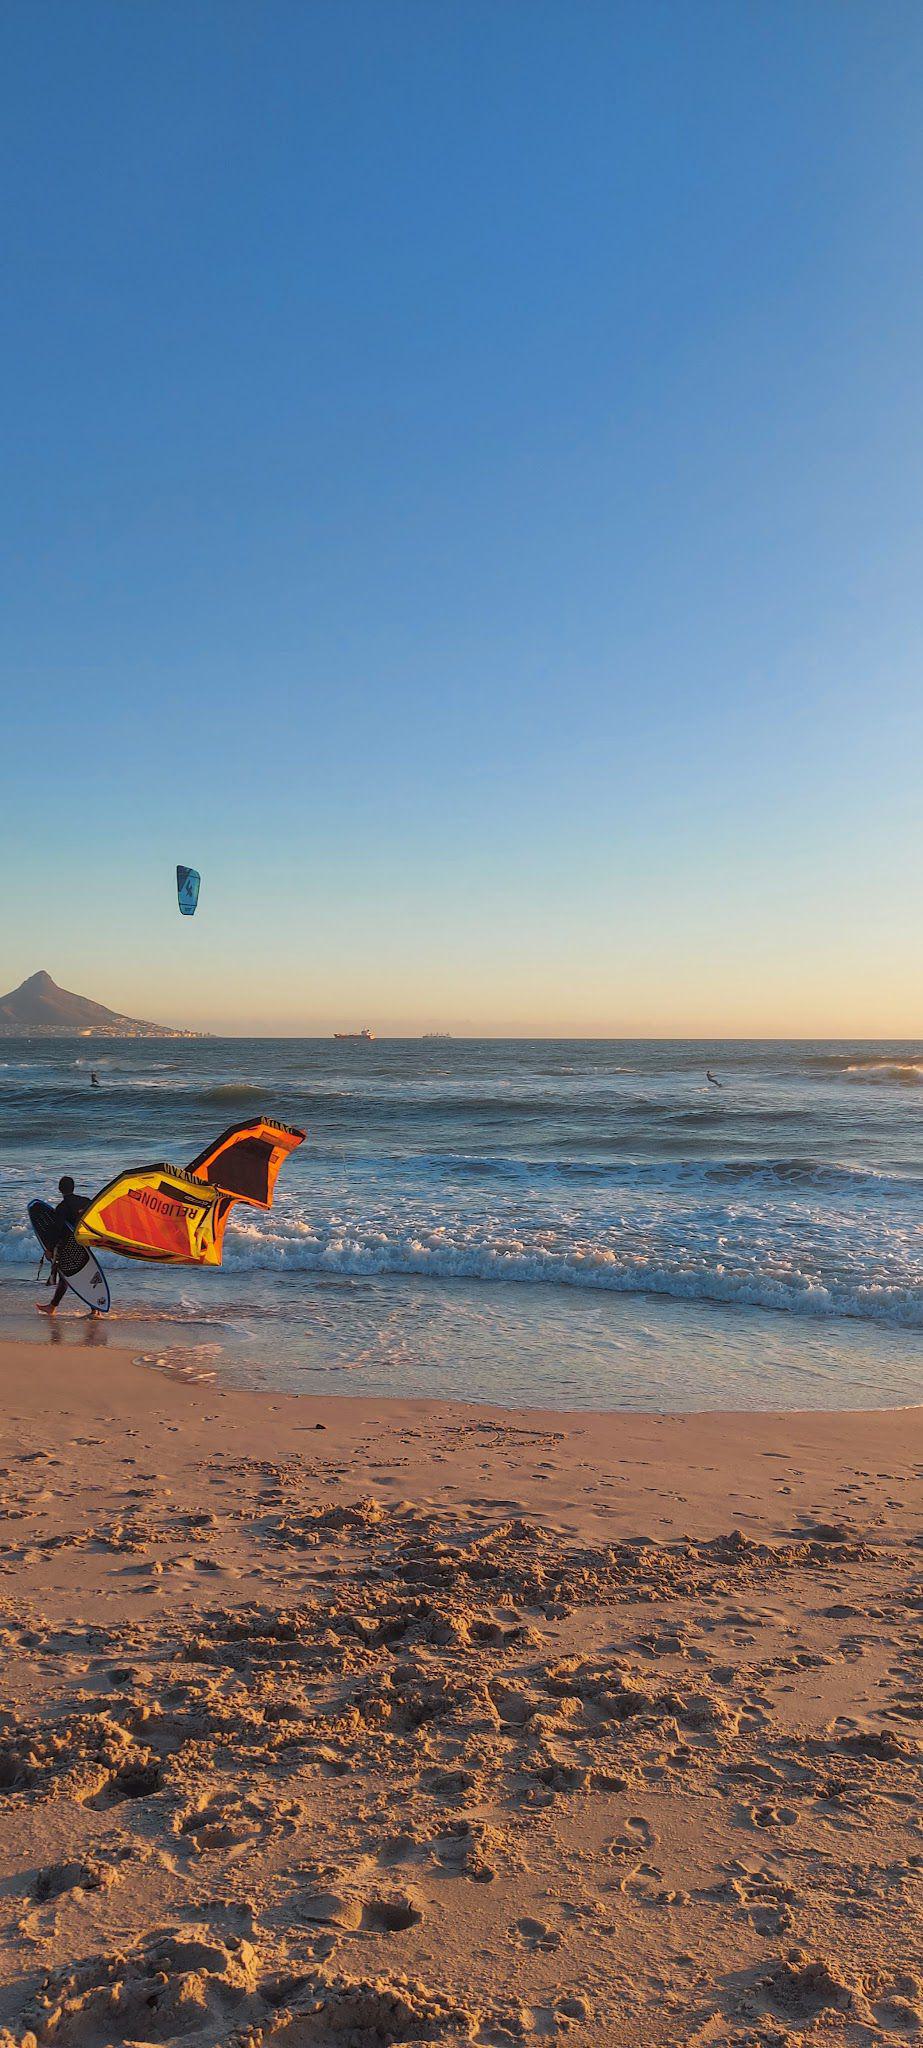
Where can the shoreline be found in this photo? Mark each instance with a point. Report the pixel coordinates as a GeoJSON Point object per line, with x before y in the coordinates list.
{"type": "Point", "coordinates": [334, 1718]}
{"type": "Point", "coordinates": [178, 1371]}
{"type": "Point", "coordinates": [514, 1347]}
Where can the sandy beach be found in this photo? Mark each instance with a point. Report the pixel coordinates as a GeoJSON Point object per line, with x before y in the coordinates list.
{"type": "Point", "coordinates": [340, 1722]}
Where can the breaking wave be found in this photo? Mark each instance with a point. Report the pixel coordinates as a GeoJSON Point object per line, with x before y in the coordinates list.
{"type": "Point", "coordinates": [684, 1272]}
{"type": "Point", "coordinates": [907, 1073]}
{"type": "Point", "coordinates": [903, 1067]}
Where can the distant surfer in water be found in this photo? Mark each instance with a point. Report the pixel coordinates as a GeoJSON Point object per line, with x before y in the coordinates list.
{"type": "Point", "coordinates": [94, 1080]}
{"type": "Point", "coordinates": [709, 1076]}
{"type": "Point", "coordinates": [66, 1218]}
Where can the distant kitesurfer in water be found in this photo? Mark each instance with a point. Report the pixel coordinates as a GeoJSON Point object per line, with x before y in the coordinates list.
{"type": "Point", "coordinates": [709, 1076]}
{"type": "Point", "coordinates": [66, 1218]}
{"type": "Point", "coordinates": [94, 1080]}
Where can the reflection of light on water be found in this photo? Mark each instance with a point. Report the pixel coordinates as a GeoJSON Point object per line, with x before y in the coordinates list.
{"type": "Point", "coordinates": [182, 1364]}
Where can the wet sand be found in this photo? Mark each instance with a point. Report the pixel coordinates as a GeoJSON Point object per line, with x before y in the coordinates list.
{"type": "Point", "coordinates": [336, 1722]}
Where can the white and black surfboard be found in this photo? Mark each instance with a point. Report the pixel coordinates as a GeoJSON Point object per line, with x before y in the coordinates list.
{"type": "Point", "coordinates": [75, 1262]}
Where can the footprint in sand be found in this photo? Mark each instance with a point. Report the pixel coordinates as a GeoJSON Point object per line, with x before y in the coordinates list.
{"type": "Point", "coordinates": [398, 1849]}
{"type": "Point", "coordinates": [635, 1833]}
{"type": "Point", "coordinates": [216, 1825]}
{"type": "Point", "coordinates": [535, 1936]}
{"type": "Point", "coordinates": [390, 1916]}
{"type": "Point", "coordinates": [85, 1875]}
{"type": "Point", "coordinates": [344, 1910]}
{"type": "Point", "coordinates": [773, 1816]}
{"type": "Point", "coordinates": [468, 1849]}
{"type": "Point", "coordinates": [331, 1909]}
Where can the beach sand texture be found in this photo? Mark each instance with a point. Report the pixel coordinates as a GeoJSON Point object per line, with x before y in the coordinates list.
{"type": "Point", "coordinates": [339, 1723]}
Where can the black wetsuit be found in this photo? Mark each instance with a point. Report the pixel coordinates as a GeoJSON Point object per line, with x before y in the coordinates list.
{"type": "Point", "coordinates": [67, 1215]}
{"type": "Point", "coordinates": [65, 1219]}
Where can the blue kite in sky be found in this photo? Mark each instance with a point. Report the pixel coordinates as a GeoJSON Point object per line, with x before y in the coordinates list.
{"type": "Point", "coordinates": [187, 890]}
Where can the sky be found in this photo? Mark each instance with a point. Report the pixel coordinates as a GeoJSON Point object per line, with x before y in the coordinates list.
{"type": "Point", "coordinates": [462, 492]}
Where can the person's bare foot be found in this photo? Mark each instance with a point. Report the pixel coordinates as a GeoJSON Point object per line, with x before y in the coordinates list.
{"type": "Point", "coordinates": [46, 1308]}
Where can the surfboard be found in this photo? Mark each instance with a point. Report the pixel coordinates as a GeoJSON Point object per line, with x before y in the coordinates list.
{"type": "Point", "coordinates": [75, 1263]}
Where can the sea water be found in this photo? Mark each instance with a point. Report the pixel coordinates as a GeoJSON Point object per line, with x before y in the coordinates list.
{"type": "Point", "coordinates": [575, 1224]}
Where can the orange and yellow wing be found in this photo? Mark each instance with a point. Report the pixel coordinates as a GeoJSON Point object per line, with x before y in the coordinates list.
{"type": "Point", "coordinates": [160, 1213]}
{"type": "Point", "coordinates": [245, 1160]}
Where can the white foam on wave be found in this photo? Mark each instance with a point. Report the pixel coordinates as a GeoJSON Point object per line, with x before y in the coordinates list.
{"type": "Point", "coordinates": [784, 1274]}
{"type": "Point", "coordinates": [812, 1238]}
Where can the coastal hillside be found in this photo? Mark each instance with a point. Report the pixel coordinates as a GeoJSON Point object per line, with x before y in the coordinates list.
{"type": "Point", "coordinates": [39, 1008]}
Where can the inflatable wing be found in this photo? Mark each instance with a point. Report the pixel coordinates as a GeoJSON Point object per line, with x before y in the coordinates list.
{"type": "Point", "coordinates": [158, 1212]}
{"type": "Point", "coordinates": [244, 1162]}
{"type": "Point", "coordinates": [188, 883]}
{"type": "Point", "coordinates": [177, 1214]}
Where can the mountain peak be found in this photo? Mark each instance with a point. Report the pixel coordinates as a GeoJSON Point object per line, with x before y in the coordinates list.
{"type": "Point", "coordinates": [37, 984]}
{"type": "Point", "coordinates": [39, 1007]}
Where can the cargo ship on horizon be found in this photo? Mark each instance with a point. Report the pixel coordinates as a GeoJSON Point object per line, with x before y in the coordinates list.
{"type": "Point", "coordinates": [363, 1037]}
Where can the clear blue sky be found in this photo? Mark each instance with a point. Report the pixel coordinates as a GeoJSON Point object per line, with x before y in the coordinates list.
{"type": "Point", "coordinates": [462, 490]}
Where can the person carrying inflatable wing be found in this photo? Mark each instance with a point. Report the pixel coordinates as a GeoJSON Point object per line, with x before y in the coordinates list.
{"type": "Point", "coordinates": [66, 1218]}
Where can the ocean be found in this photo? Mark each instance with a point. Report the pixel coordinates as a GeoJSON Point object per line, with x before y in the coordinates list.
{"type": "Point", "coordinates": [570, 1224]}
